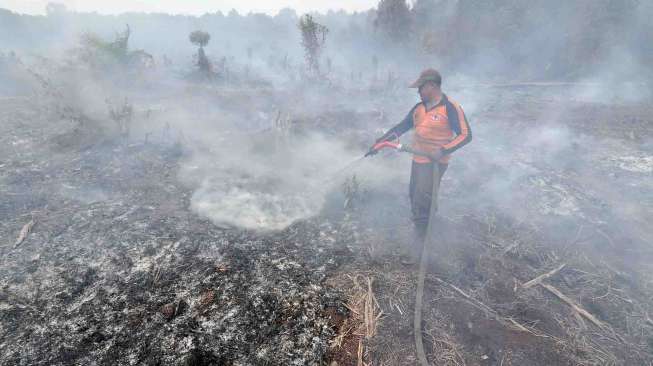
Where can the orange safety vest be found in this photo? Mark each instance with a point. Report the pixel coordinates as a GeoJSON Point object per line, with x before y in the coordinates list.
{"type": "Point", "coordinates": [434, 129]}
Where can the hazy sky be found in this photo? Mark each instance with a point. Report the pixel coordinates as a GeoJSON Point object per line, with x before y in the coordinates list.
{"type": "Point", "coordinates": [187, 6]}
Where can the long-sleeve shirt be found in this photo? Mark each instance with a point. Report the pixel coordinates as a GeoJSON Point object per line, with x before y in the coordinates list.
{"type": "Point", "coordinates": [443, 125]}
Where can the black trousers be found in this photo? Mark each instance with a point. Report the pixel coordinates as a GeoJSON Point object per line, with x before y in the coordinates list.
{"type": "Point", "coordinates": [421, 192]}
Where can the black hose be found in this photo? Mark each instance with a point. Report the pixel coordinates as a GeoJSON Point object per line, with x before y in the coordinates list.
{"type": "Point", "coordinates": [426, 245]}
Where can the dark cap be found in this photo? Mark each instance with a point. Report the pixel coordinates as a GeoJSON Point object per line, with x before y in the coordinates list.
{"type": "Point", "coordinates": [427, 75]}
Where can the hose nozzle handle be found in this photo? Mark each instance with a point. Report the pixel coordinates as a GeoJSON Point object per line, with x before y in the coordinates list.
{"type": "Point", "coordinates": [397, 146]}
{"type": "Point", "coordinates": [382, 145]}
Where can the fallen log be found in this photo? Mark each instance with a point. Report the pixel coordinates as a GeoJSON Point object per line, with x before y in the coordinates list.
{"type": "Point", "coordinates": [483, 307]}
{"type": "Point", "coordinates": [23, 233]}
{"type": "Point", "coordinates": [586, 314]}
{"type": "Point", "coordinates": [541, 277]}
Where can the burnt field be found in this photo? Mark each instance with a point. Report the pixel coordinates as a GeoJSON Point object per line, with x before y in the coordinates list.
{"type": "Point", "coordinates": [170, 245]}
{"type": "Point", "coordinates": [191, 190]}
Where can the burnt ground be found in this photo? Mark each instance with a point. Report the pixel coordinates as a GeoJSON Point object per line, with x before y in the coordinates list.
{"type": "Point", "coordinates": [118, 270]}
{"type": "Point", "coordinates": [514, 209]}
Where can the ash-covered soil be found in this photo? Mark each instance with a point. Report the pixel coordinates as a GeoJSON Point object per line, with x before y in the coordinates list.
{"type": "Point", "coordinates": [117, 270]}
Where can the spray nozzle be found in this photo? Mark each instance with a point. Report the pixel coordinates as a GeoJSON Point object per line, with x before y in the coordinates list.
{"type": "Point", "coordinates": [385, 143]}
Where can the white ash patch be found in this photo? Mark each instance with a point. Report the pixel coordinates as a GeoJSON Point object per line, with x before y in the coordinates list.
{"type": "Point", "coordinates": [635, 164]}
{"type": "Point", "coordinates": [554, 199]}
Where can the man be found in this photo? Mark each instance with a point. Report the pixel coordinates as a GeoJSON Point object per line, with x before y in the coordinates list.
{"type": "Point", "coordinates": [440, 129]}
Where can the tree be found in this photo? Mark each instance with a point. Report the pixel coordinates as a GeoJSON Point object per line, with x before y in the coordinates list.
{"type": "Point", "coordinates": [313, 39]}
{"type": "Point", "coordinates": [393, 20]}
{"type": "Point", "coordinates": [427, 7]}
{"type": "Point", "coordinates": [103, 54]}
{"type": "Point", "coordinates": [201, 39]}
{"type": "Point", "coordinates": [427, 13]}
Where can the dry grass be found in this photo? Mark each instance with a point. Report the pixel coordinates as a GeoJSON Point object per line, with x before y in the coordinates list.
{"type": "Point", "coordinates": [597, 314]}
{"type": "Point", "coordinates": [365, 315]}
{"type": "Point", "coordinates": [606, 323]}
{"type": "Point", "coordinates": [364, 306]}
{"type": "Point", "coordinates": [445, 350]}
